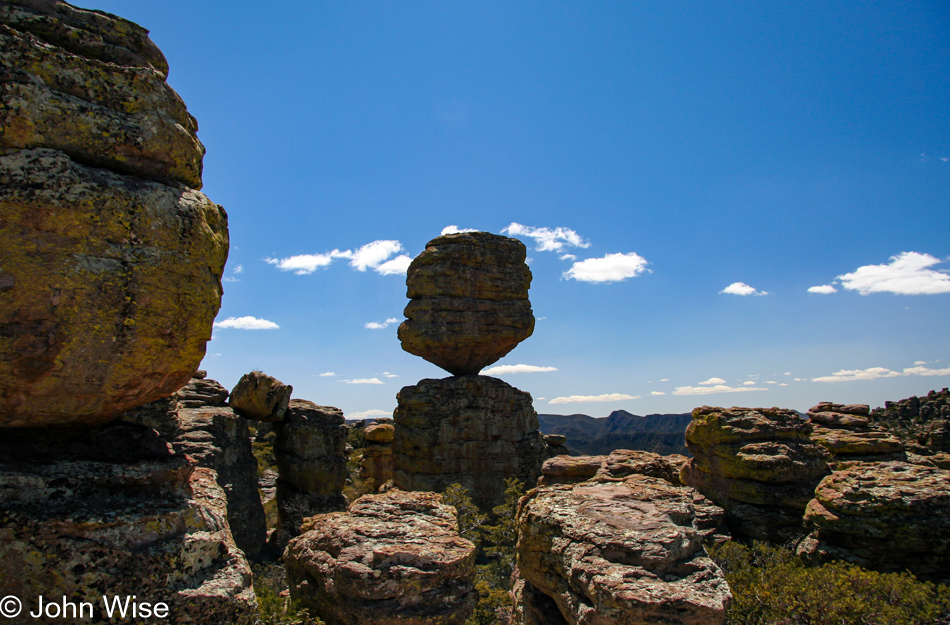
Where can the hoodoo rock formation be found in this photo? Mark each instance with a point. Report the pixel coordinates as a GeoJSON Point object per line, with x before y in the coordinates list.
{"type": "Point", "coordinates": [395, 557]}
{"type": "Point", "coordinates": [759, 464]}
{"type": "Point", "coordinates": [846, 432]}
{"type": "Point", "coordinates": [260, 397]}
{"type": "Point", "coordinates": [922, 423]}
{"type": "Point", "coordinates": [468, 301]}
{"type": "Point", "coordinates": [377, 460]}
{"type": "Point", "coordinates": [110, 259]}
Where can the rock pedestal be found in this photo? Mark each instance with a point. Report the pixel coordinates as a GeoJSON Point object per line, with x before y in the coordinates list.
{"type": "Point", "coordinates": [759, 464]}
{"type": "Point", "coordinates": [848, 435]}
{"type": "Point", "coordinates": [110, 259]}
{"type": "Point", "coordinates": [377, 461]}
{"type": "Point", "coordinates": [392, 558]}
{"type": "Point", "coordinates": [472, 430]}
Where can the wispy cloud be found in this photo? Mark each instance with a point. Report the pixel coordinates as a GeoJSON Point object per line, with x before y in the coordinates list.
{"type": "Point", "coordinates": [503, 369]}
{"type": "Point", "coordinates": [905, 274]}
{"type": "Point", "coordinates": [823, 289]}
{"type": "Point", "coordinates": [328, 374]}
{"type": "Point", "coordinates": [238, 269]}
{"type": "Point", "coordinates": [657, 393]}
{"type": "Point", "coordinates": [713, 390]}
{"type": "Point", "coordinates": [575, 399]}
{"type": "Point", "coordinates": [366, 414]}
{"type": "Point", "coordinates": [741, 288]}
{"type": "Point", "coordinates": [245, 323]}
{"type": "Point", "coordinates": [547, 239]}
{"type": "Point", "coordinates": [387, 374]}
{"type": "Point", "coordinates": [610, 268]}
{"type": "Point", "coordinates": [364, 381]}
{"type": "Point", "coordinates": [919, 370]}
{"type": "Point", "coordinates": [303, 264]}
{"type": "Point", "coordinates": [456, 230]}
{"type": "Point", "coordinates": [850, 375]}
{"type": "Point", "coordinates": [370, 256]}
{"type": "Point", "coordinates": [379, 325]}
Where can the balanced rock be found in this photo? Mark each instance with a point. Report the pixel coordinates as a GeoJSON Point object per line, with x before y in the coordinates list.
{"type": "Point", "coordinates": [110, 259]}
{"type": "Point", "coordinates": [609, 551]}
{"type": "Point", "coordinates": [392, 558]}
{"type": "Point", "coordinates": [848, 435]}
{"type": "Point", "coordinates": [758, 464]}
{"type": "Point", "coordinates": [888, 516]}
{"type": "Point", "coordinates": [468, 301]}
{"type": "Point", "coordinates": [471, 430]}
{"type": "Point", "coordinates": [260, 397]}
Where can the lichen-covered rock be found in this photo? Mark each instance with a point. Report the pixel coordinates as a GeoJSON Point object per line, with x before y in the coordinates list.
{"type": "Point", "coordinates": [921, 423]}
{"type": "Point", "coordinates": [393, 558]}
{"type": "Point", "coordinates": [260, 397]}
{"type": "Point", "coordinates": [848, 435]}
{"type": "Point", "coordinates": [139, 520]}
{"type": "Point", "coordinates": [376, 464]}
{"type": "Point", "coordinates": [468, 301]}
{"type": "Point", "coordinates": [471, 430]}
{"type": "Point", "coordinates": [617, 464]}
{"type": "Point", "coordinates": [379, 433]}
{"type": "Point", "coordinates": [110, 259]}
{"type": "Point", "coordinates": [887, 516]}
{"type": "Point", "coordinates": [618, 551]}
{"type": "Point", "coordinates": [310, 448]}
{"type": "Point", "coordinates": [758, 464]}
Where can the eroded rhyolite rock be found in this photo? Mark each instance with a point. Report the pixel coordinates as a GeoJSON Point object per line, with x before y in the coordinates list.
{"type": "Point", "coordinates": [758, 464]}
{"type": "Point", "coordinates": [469, 301]}
{"type": "Point", "coordinates": [619, 551]}
{"type": "Point", "coordinates": [922, 423]}
{"type": "Point", "coordinates": [848, 435]}
{"type": "Point", "coordinates": [377, 460]}
{"type": "Point", "coordinates": [888, 516]}
{"type": "Point", "coordinates": [617, 464]}
{"type": "Point", "coordinates": [392, 558]}
{"type": "Point", "coordinates": [472, 430]}
{"type": "Point", "coordinates": [260, 397]}
{"type": "Point", "coordinates": [114, 511]}
{"type": "Point", "coordinates": [110, 259]}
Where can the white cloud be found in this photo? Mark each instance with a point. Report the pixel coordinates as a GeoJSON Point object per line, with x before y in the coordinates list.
{"type": "Point", "coordinates": [920, 362]}
{"type": "Point", "coordinates": [610, 268]}
{"type": "Point", "coordinates": [712, 390]}
{"type": "Point", "coordinates": [665, 380]}
{"type": "Point", "coordinates": [387, 374]}
{"type": "Point", "coordinates": [231, 279]}
{"type": "Point", "coordinates": [239, 269]}
{"type": "Point", "coordinates": [573, 399]}
{"type": "Point", "coordinates": [771, 382]}
{"type": "Point", "coordinates": [784, 384]}
{"type": "Point", "coordinates": [849, 375]}
{"type": "Point", "coordinates": [567, 257]}
{"type": "Point", "coordinates": [741, 288]}
{"type": "Point", "coordinates": [919, 370]}
{"type": "Point", "coordinates": [328, 374]}
{"type": "Point", "coordinates": [503, 369]}
{"type": "Point", "coordinates": [364, 381]}
{"type": "Point", "coordinates": [456, 230]}
{"type": "Point", "coordinates": [657, 393]}
{"type": "Point", "coordinates": [245, 323]}
{"type": "Point", "coordinates": [800, 379]}
{"type": "Point", "coordinates": [379, 325]}
{"type": "Point", "coordinates": [787, 373]}
{"type": "Point", "coordinates": [398, 265]}
{"type": "Point", "coordinates": [540, 399]}
{"type": "Point", "coordinates": [373, 254]}
{"type": "Point", "coordinates": [905, 274]}
{"type": "Point", "coordinates": [307, 263]}
{"type": "Point", "coordinates": [749, 383]}
{"type": "Point", "coordinates": [366, 414]}
{"type": "Point", "coordinates": [547, 239]}
{"type": "Point", "coordinates": [713, 381]}
{"type": "Point", "coordinates": [824, 289]}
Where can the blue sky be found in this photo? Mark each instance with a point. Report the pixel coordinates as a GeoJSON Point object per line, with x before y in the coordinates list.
{"type": "Point", "coordinates": [716, 160]}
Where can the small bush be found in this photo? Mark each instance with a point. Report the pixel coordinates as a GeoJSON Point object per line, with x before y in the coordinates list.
{"type": "Point", "coordinates": [269, 581]}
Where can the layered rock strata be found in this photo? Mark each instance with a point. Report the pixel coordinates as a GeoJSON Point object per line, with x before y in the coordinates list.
{"type": "Point", "coordinates": [110, 259]}
{"type": "Point", "coordinates": [260, 397]}
{"type": "Point", "coordinates": [310, 448]}
{"type": "Point", "coordinates": [377, 461]}
{"type": "Point", "coordinates": [472, 430]}
{"type": "Point", "coordinates": [922, 423]}
{"type": "Point", "coordinates": [759, 464]}
{"type": "Point", "coordinates": [619, 463]}
{"type": "Point", "coordinates": [468, 301]}
{"type": "Point", "coordinates": [392, 558]}
{"type": "Point", "coordinates": [617, 551]}
{"type": "Point", "coordinates": [112, 511]}
{"type": "Point", "coordinates": [891, 516]}
{"type": "Point", "coordinates": [848, 435]}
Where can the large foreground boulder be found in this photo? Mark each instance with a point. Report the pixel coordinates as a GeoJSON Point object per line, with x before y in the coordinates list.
{"type": "Point", "coordinates": [390, 559]}
{"type": "Point", "coordinates": [625, 551]}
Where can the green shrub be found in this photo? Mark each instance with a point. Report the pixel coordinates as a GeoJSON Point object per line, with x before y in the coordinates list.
{"type": "Point", "coordinates": [269, 581]}
{"type": "Point", "coordinates": [770, 585]}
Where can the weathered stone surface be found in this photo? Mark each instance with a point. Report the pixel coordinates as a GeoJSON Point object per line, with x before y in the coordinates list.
{"type": "Point", "coordinates": [890, 516]}
{"type": "Point", "coordinates": [468, 301]}
{"type": "Point", "coordinates": [260, 397]}
{"type": "Point", "coordinates": [379, 432]}
{"type": "Point", "coordinates": [310, 449]}
{"type": "Point", "coordinates": [376, 463]}
{"type": "Point", "coordinates": [472, 430]}
{"type": "Point", "coordinates": [848, 435]}
{"type": "Point", "coordinates": [201, 393]}
{"type": "Point", "coordinates": [620, 463]}
{"type": "Point", "coordinates": [393, 558]}
{"type": "Point", "coordinates": [758, 464]}
{"type": "Point", "coordinates": [627, 551]}
{"type": "Point", "coordinates": [555, 439]}
{"type": "Point", "coordinates": [95, 525]}
{"type": "Point", "coordinates": [921, 423]}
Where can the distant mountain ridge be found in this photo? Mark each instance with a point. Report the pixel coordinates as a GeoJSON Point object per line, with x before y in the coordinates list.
{"type": "Point", "coordinates": [659, 433]}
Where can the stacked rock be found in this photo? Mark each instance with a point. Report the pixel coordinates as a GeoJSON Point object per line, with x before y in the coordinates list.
{"type": "Point", "coordinates": [377, 461]}
{"type": "Point", "coordinates": [468, 308]}
{"type": "Point", "coordinates": [848, 435]}
{"type": "Point", "coordinates": [759, 464]}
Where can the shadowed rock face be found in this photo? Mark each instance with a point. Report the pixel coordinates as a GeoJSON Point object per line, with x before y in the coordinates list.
{"type": "Point", "coordinates": [110, 259]}
{"type": "Point", "coordinates": [390, 558]}
{"type": "Point", "coordinates": [469, 301]}
{"type": "Point", "coordinates": [617, 551]}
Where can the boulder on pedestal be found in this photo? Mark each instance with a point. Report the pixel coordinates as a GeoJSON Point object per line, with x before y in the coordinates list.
{"type": "Point", "coordinates": [260, 397]}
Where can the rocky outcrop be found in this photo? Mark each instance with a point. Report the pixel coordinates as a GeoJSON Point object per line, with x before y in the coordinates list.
{"type": "Point", "coordinates": [260, 397]}
{"type": "Point", "coordinates": [392, 558]}
{"type": "Point", "coordinates": [472, 430]}
{"type": "Point", "coordinates": [620, 463]}
{"type": "Point", "coordinates": [617, 551]}
{"type": "Point", "coordinates": [889, 516]}
{"type": "Point", "coordinates": [922, 423]}
{"type": "Point", "coordinates": [377, 460]}
{"type": "Point", "coordinates": [759, 464]}
{"type": "Point", "coordinates": [846, 432]}
{"type": "Point", "coordinates": [110, 259]}
{"type": "Point", "coordinates": [310, 449]}
{"type": "Point", "coordinates": [113, 511]}
{"type": "Point", "coordinates": [468, 301]}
